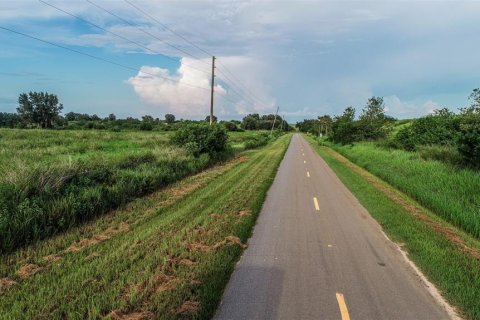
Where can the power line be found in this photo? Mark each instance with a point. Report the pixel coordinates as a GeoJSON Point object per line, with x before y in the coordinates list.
{"type": "Point", "coordinates": [115, 34]}
{"type": "Point", "coordinates": [232, 83]}
{"type": "Point", "coordinates": [167, 28]}
{"type": "Point", "coordinates": [244, 96]}
{"type": "Point", "coordinates": [101, 59]}
{"type": "Point", "coordinates": [238, 81]}
{"type": "Point", "coordinates": [141, 29]}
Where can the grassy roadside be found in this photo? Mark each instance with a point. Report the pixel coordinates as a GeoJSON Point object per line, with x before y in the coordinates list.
{"type": "Point", "coordinates": [165, 256]}
{"type": "Point", "coordinates": [450, 192]}
{"type": "Point", "coordinates": [454, 270]}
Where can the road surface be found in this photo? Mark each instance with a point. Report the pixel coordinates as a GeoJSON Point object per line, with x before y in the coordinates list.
{"type": "Point", "coordinates": [317, 254]}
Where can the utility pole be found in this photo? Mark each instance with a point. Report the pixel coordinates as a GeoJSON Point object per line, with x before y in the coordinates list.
{"type": "Point", "coordinates": [274, 120]}
{"type": "Point", "coordinates": [211, 94]}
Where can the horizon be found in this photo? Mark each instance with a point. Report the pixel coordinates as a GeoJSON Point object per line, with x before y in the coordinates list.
{"type": "Point", "coordinates": [310, 60]}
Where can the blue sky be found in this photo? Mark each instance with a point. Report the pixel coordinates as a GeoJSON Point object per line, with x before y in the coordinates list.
{"type": "Point", "coordinates": [309, 57]}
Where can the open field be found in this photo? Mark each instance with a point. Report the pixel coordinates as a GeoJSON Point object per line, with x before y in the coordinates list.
{"type": "Point", "coordinates": [167, 255]}
{"type": "Point", "coordinates": [447, 255]}
{"type": "Point", "coordinates": [53, 180]}
{"type": "Point", "coordinates": [450, 192]}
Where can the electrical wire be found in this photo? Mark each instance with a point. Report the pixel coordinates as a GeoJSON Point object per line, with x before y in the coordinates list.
{"type": "Point", "coordinates": [116, 34]}
{"type": "Point", "coordinates": [166, 27]}
{"type": "Point", "coordinates": [100, 58]}
{"type": "Point", "coordinates": [142, 30]}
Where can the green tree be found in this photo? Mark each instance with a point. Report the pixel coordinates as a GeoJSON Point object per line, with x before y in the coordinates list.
{"type": "Point", "coordinates": [112, 117]}
{"type": "Point", "coordinates": [169, 118]}
{"type": "Point", "coordinates": [250, 122]}
{"type": "Point", "coordinates": [372, 121]}
{"type": "Point", "coordinates": [325, 122]}
{"type": "Point", "coordinates": [344, 128]}
{"type": "Point", "coordinates": [39, 108]}
{"type": "Point", "coordinates": [201, 137]}
{"type": "Point", "coordinates": [207, 118]}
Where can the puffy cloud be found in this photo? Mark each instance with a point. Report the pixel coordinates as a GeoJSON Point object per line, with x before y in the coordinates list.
{"type": "Point", "coordinates": [323, 55]}
{"type": "Point", "coordinates": [186, 95]}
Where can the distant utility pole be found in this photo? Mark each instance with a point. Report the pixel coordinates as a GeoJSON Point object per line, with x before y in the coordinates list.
{"type": "Point", "coordinates": [274, 120]}
{"type": "Point", "coordinates": [213, 85]}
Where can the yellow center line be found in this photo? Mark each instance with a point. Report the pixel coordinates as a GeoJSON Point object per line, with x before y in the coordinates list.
{"type": "Point", "coordinates": [315, 202]}
{"type": "Point", "coordinates": [343, 307]}
{"type": "Point", "coordinates": [303, 154]}
{"type": "Point", "coordinates": [308, 174]}
{"type": "Point", "coordinates": [304, 161]}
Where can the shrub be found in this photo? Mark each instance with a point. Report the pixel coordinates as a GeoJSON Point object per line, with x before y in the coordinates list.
{"type": "Point", "coordinates": [438, 129]}
{"type": "Point", "coordinates": [146, 126]}
{"type": "Point", "coordinates": [469, 140]}
{"type": "Point", "coordinates": [200, 138]}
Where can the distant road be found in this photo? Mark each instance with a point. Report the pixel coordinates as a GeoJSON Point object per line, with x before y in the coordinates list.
{"type": "Point", "coordinates": [317, 254]}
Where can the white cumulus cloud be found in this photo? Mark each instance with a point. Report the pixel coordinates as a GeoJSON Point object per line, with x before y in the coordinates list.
{"type": "Point", "coordinates": [188, 94]}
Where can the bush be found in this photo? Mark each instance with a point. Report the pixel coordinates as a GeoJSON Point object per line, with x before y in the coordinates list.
{"type": "Point", "coordinates": [469, 140]}
{"type": "Point", "coordinates": [200, 138]}
{"type": "Point", "coordinates": [146, 126]}
{"type": "Point", "coordinates": [442, 129]}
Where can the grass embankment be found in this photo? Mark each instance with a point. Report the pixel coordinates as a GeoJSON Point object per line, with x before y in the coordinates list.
{"type": "Point", "coordinates": [53, 180]}
{"type": "Point", "coordinates": [448, 256]}
{"type": "Point", "coordinates": [165, 256]}
{"type": "Point", "coordinates": [453, 193]}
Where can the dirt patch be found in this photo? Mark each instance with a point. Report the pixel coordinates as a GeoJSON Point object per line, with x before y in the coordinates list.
{"type": "Point", "coordinates": [52, 258]}
{"type": "Point", "coordinates": [27, 271]}
{"type": "Point", "coordinates": [122, 227]}
{"type": "Point", "coordinates": [119, 315]}
{"type": "Point", "coordinates": [165, 283]}
{"type": "Point", "coordinates": [95, 239]}
{"type": "Point", "coordinates": [396, 197]}
{"type": "Point", "coordinates": [215, 215]}
{"type": "Point", "coordinates": [244, 213]}
{"type": "Point", "coordinates": [5, 284]}
{"type": "Point", "coordinates": [197, 246]}
{"type": "Point", "coordinates": [186, 262]}
{"type": "Point", "coordinates": [228, 241]}
{"type": "Point", "coordinates": [189, 307]}
{"type": "Point", "coordinates": [101, 237]}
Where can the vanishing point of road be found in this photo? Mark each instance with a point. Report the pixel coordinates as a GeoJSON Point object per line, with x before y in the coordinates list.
{"type": "Point", "coordinates": [316, 253]}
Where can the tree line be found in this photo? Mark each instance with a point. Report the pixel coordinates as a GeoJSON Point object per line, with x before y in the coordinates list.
{"type": "Point", "coordinates": [458, 133]}
{"type": "Point", "coordinates": [43, 110]}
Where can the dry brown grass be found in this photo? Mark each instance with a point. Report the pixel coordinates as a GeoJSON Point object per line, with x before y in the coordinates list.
{"type": "Point", "coordinates": [189, 307]}
{"type": "Point", "coordinates": [28, 270]}
{"type": "Point", "coordinates": [5, 284]}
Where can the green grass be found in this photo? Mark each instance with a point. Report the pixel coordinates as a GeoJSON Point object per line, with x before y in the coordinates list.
{"type": "Point", "coordinates": [141, 270]}
{"type": "Point", "coordinates": [455, 272]}
{"type": "Point", "coordinates": [53, 180]}
{"type": "Point", "coordinates": [451, 192]}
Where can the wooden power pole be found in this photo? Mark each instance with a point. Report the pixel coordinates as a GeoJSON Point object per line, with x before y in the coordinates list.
{"type": "Point", "coordinates": [274, 120]}
{"type": "Point", "coordinates": [211, 94]}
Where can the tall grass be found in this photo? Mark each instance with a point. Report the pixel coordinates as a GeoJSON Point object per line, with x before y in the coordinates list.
{"type": "Point", "coordinates": [53, 180]}
{"type": "Point", "coordinates": [125, 272]}
{"type": "Point", "coordinates": [453, 193]}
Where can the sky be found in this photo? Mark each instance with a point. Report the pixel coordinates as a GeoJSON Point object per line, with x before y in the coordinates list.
{"type": "Point", "coordinates": [309, 58]}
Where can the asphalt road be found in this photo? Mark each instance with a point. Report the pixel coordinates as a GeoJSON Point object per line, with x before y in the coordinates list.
{"type": "Point", "coordinates": [316, 253]}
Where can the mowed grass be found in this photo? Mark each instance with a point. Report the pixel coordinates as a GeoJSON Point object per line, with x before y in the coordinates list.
{"type": "Point", "coordinates": [448, 264]}
{"type": "Point", "coordinates": [53, 180]}
{"type": "Point", "coordinates": [166, 256]}
{"type": "Point", "coordinates": [453, 193]}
